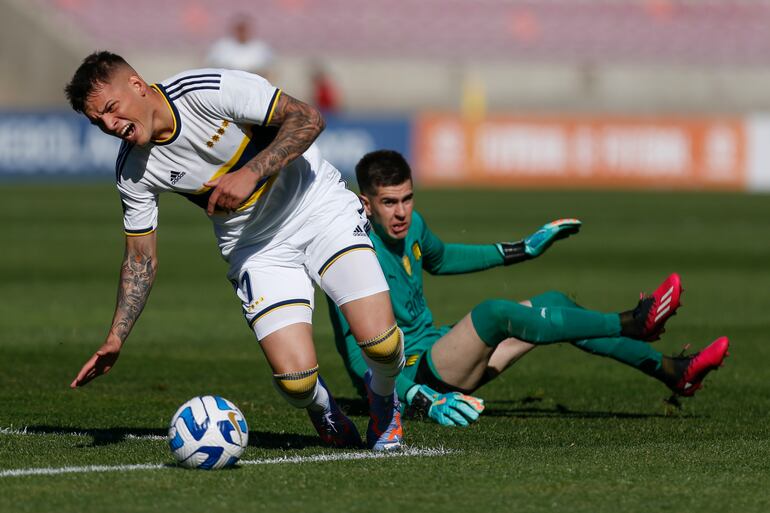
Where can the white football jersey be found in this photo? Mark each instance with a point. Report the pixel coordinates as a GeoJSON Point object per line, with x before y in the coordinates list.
{"type": "Point", "coordinates": [220, 123]}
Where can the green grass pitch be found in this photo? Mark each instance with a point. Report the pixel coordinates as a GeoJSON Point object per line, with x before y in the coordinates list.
{"type": "Point", "coordinates": [564, 431]}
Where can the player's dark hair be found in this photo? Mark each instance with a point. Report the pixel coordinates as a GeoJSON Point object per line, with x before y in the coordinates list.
{"type": "Point", "coordinates": [94, 71]}
{"type": "Point", "coordinates": [381, 168]}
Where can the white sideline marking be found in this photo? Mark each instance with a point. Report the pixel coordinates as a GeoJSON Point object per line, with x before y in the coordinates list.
{"type": "Point", "coordinates": [342, 456]}
{"type": "Point", "coordinates": [24, 431]}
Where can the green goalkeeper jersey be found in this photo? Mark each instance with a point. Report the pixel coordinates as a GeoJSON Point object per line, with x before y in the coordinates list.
{"type": "Point", "coordinates": [403, 262]}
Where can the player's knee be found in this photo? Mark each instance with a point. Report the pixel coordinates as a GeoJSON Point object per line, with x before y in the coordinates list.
{"type": "Point", "coordinates": [298, 388]}
{"type": "Point", "coordinates": [552, 298]}
{"type": "Point", "coordinates": [489, 319]}
{"type": "Point", "coordinates": [492, 319]}
{"type": "Point", "coordinates": [386, 349]}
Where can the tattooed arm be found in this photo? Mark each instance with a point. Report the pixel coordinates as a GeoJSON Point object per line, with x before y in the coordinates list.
{"type": "Point", "coordinates": [140, 264]}
{"type": "Point", "coordinates": [299, 125]}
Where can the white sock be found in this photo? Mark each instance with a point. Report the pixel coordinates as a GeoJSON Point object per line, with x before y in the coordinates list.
{"type": "Point", "coordinates": [382, 384]}
{"type": "Point", "coordinates": [321, 399]}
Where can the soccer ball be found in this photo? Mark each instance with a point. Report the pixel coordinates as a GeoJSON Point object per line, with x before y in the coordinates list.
{"type": "Point", "coordinates": [208, 432]}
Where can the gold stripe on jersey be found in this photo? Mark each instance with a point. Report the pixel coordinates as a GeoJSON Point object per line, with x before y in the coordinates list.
{"type": "Point", "coordinates": [255, 196]}
{"type": "Point", "coordinates": [272, 107]}
{"type": "Point", "coordinates": [228, 165]}
{"type": "Point", "coordinates": [173, 116]}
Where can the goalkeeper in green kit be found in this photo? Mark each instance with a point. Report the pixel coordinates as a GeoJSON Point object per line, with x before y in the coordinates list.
{"type": "Point", "coordinates": [445, 365]}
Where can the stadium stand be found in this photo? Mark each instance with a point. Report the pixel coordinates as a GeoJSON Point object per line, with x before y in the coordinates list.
{"type": "Point", "coordinates": [579, 55]}
{"type": "Point", "coordinates": [705, 31]}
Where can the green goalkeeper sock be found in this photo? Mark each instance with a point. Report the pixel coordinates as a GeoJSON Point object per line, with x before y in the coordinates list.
{"type": "Point", "coordinates": [635, 353]}
{"type": "Point", "coordinates": [496, 320]}
{"type": "Point", "coordinates": [639, 355]}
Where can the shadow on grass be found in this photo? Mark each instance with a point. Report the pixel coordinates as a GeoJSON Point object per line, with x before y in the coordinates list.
{"type": "Point", "coordinates": [533, 406]}
{"type": "Point", "coordinates": [109, 436]}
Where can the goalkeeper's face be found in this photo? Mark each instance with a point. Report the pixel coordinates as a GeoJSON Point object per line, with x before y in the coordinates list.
{"type": "Point", "coordinates": [390, 209]}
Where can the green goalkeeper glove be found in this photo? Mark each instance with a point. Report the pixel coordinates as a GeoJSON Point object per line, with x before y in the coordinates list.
{"type": "Point", "coordinates": [452, 409]}
{"type": "Point", "coordinates": [535, 244]}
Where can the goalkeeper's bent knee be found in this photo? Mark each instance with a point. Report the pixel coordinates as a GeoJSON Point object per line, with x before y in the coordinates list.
{"type": "Point", "coordinates": [385, 352]}
{"type": "Point", "coordinates": [551, 299]}
{"type": "Point", "coordinates": [298, 388]}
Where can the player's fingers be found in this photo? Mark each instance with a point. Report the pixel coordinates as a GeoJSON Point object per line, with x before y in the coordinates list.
{"type": "Point", "coordinates": [231, 203]}
{"type": "Point", "coordinates": [88, 367]}
{"type": "Point", "coordinates": [467, 411]}
{"type": "Point", "coordinates": [477, 403]}
{"type": "Point", "coordinates": [213, 201]}
{"type": "Point", "coordinates": [457, 418]}
{"type": "Point", "coordinates": [212, 183]}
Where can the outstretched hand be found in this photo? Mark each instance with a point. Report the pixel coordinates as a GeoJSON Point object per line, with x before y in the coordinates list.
{"type": "Point", "coordinates": [538, 242]}
{"type": "Point", "coordinates": [100, 363]}
{"type": "Point", "coordinates": [231, 190]}
{"type": "Point", "coordinates": [456, 409]}
{"type": "Point", "coordinates": [451, 409]}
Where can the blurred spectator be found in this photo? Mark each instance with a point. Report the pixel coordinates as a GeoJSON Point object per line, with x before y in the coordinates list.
{"type": "Point", "coordinates": [325, 93]}
{"type": "Point", "coordinates": [240, 50]}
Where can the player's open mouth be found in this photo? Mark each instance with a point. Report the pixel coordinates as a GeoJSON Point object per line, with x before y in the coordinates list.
{"type": "Point", "coordinates": [127, 131]}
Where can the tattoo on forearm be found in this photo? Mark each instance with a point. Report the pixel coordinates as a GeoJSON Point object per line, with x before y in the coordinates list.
{"type": "Point", "coordinates": [299, 129]}
{"type": "Point", "coordinates": [136, 278]}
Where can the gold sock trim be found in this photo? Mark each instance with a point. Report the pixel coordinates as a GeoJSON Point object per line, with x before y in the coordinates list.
{"type": "Point", "coordinates": [383, 348]}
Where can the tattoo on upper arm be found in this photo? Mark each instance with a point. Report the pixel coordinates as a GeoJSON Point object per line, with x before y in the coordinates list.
{"type": "Point", "coordinates": [299, 124]}
{"type": "Point", "coordinates": [136, 278]}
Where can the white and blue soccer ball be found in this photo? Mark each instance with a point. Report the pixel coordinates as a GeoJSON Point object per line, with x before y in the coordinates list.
{"type": "Point", "coordinates": [208, 432]}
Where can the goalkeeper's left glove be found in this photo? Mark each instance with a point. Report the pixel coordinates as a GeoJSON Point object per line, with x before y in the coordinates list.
{"type": "Point", "coordinates": [452, 409]}
{"type": "Point", "coordinates": [535, 244]}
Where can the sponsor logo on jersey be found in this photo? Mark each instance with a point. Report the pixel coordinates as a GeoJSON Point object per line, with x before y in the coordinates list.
{"type": "Point", "coordinates": [176, 176]}
{"type": "Point", "coordinates": [359, 232]}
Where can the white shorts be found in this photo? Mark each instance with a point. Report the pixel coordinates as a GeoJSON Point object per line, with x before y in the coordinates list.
{"type": "Point", "coordinates": [332, 249]}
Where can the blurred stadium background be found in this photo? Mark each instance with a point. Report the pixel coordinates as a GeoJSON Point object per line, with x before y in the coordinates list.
{"type": "Point", "coordinates": [664, 94]}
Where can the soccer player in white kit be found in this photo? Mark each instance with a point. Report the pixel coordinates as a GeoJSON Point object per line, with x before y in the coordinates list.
{"type": "Point", "coordinates": [243, 151]}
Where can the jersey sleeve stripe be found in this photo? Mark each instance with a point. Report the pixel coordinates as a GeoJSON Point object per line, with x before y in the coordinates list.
{"type": "Point", "coordinates": [183, 92]}
{"type": "Point", "coordinates": [275, 306]}
{"type": "Point", "coordinates": [176, 88]}
{"type": "Point", "coordinates": [339, 254]}
{"type": "Point", "coordinates": [174, 115]}
{"type": "Point", "coordinates": [271, 107]}
{"type": "Point", "coordinates": [138, 233]}
{"type": "Point", "coordinates": [191, 77]}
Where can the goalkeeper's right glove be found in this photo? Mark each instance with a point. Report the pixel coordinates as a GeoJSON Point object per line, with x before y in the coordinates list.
{"type": "Point", "coordinates": [535, 244]}
{"type": "Point", "coordinates": [452, 409]}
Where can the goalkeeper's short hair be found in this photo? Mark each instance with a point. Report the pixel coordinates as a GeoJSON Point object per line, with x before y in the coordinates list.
{"type": "Point", "coordinates": [381, 168]}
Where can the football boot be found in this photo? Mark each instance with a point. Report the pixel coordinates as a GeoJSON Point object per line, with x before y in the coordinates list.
{"type": "Point", "coordinates": [384, 432]}
{"type": "Point", "coordinates": [647, 320]}
{"type": "Point", "coordinates": [692, 369]}
{"type": "Point", "coordinates": [334, 427]}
